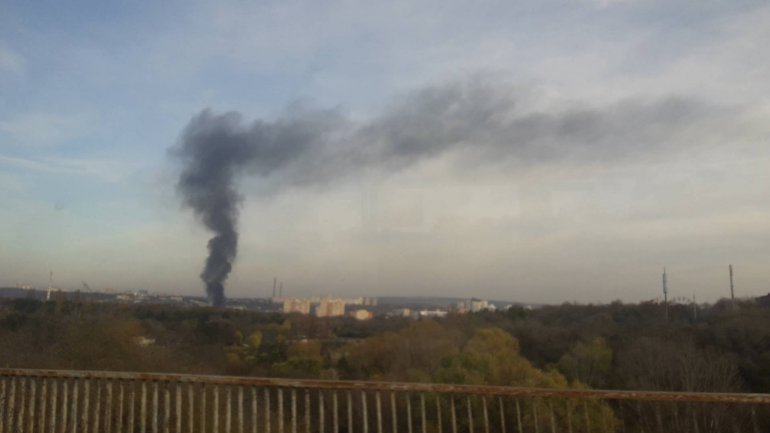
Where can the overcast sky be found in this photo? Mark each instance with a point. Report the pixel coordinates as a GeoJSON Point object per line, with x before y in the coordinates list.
{"type": "Point", "coordinates": [534, 151]}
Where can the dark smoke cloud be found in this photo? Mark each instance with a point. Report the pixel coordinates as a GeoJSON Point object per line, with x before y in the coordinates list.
{"type": "Point", "coordinates": [214, 151]}
{"type": "Point", "coordinates": [485, 122]}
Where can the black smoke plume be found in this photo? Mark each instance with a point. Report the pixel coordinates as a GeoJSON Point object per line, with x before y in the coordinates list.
{"type": "Point", "coordinates": [214, 151]}
{"type": "Point", "coordinates": [212, 158]}
{"type": "Point", "coordinates": [486, 124]}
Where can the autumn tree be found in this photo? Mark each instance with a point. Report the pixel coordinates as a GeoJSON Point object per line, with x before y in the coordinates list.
{"type": "Point", "coordinates": [589, 363]}
{"type": "Point", "coordinates": [414, 353]}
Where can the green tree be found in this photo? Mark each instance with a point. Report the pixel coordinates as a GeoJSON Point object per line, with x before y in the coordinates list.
{"type": "Point", "coordinates": [491, 357]}
{"type": "Point", "coordinates": [589, 363]}
{"type": "Point", "coordinates": [414, 353]}
{"type": "Point", "coordinates": [297, 367]}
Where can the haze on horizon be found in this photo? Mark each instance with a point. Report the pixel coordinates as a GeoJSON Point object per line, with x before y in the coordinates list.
{"type": "Point", "coordinates": [536, 151]}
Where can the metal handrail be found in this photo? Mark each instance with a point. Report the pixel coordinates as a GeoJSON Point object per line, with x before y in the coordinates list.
{"type": "Point", "coordinates": [441, 388]}
{"type": "Point", "coordinates": [67, 401]}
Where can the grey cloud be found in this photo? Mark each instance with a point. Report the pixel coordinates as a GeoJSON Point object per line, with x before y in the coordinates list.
{"type": "Point", "coordinates": [486, 122]}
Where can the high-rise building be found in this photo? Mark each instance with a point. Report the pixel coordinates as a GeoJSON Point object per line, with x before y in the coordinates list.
{"type": "Point", "coordinates": [330, 308]}
{"type": "Point", "coordinates": [294, 305]}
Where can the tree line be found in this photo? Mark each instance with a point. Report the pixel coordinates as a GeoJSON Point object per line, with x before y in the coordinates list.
{"type": "Point", "coordinates": [615, 346]}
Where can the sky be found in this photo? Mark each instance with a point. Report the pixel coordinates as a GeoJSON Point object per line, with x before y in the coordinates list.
{"type": "Point", "coordinates": [541, 151]}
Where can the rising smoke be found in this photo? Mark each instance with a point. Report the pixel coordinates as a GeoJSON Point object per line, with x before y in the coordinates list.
{"type": "Point", "coordinates": [482, 122]}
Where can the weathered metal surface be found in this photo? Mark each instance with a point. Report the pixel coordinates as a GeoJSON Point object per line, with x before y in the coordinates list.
{"type": "Point", "coordinates": [378, 403]}
{"type": "Point", "coordinates": [154, 408]}
{"type": "Point", "coordinates": [409, 413]}
{"type": "Point", "coordinates": [307, 411]}
{"type": "Point", "coordinates": [321, 420]}
{"type": "Point", "coordinates": [121, 394]}
{"type": "Point", "coordinates": [423, 417]}
{"type": "Point", "coordinates": [75, 392]}
{"type": "Point", "coordinates": [280, 410]}
{"type": "Point", "coordinates": [65, 406]}
{"type": "Point", "coordinates": [470, 415]}
{"type": "Point", "coordinates": [365, 420]}
{"type": "Point", "coordinates": [3, 405]}
{"type": "Point", "coordinates": [335, 410]}
{"type": "Point", "coordinates": [54, 401]}
{"type": "Point", "coordinates": [294, 411]}
{"type": "Point", "coordinates": [393, 415]}
{"type": "Point", "coordinates": [98, 406]}
{"type": "Point", "coordinates": [240, 412]}
{"type": "Point", "coordinates": [132, 409]}
{"type": "Point", "coordinates": [108, 407]}
{"type": "Point", "coordinates": [350, 411]}
{"type": "Point", "coordinates": [215, 418]}
{"type": "Point", "coordinates": [32, 403]}
{"type": "Point", "coordinates": [22, 405]}
{"type": "Point", "coordinates": [167, 410]}
{"type": "Point", "coordinates": [502, 416]}
{"type": "Point", "coordinates": [267, 411]}
{"type": "Point", "coordinates": [518, 415]}
{"type": "Point", "coordinates": [143, 409]}
{"type": "Point", "coordinates": [178, 406]}
{"type": "Point", "coordinates": [43, 406]}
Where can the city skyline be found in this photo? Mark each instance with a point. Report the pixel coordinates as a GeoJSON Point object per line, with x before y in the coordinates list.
{"type": "Point", "coordinates": [542, 151]}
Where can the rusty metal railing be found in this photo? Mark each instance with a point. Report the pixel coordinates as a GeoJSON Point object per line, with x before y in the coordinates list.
{"type": "Point", "coordinates": [49, 401]}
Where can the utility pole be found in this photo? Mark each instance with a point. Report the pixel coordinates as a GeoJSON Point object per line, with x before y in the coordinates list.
{"type": "Point", "coordinates": [665, 292]}
{"type": "Point", "coordinates": [732, 288]}
{"type": "Point", "coordinates": [694, 308]}
{"type": "Point", "coordinates": [50, 286]}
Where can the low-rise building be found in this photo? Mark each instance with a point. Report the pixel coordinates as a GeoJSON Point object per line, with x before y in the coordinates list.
{"type": "Point", "coordinates": [361, 314]}
{"type": "Point", "coordinates": [431, 313]}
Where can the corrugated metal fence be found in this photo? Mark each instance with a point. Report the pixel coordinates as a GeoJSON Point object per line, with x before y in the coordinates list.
{"type": "Point", "coordinates": [47, 401]}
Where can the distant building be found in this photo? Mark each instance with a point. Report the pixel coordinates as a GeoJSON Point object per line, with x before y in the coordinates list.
{"type": "Point", "coordinates": [431, 313]}
{"type": "Point", "coordinates": [473, 306]}
{"type": "Point", "coordinates": [361, 314]}
{"type": "Point", "coordinates": [294, 305]}
{"type": "Point", "coordinates": [330, 308]}
{"type": "Point", "coordinates": [401, 312]}
{"type": "Point", "coordinates": [477, 305]}
{"type": "Point", "coordinates": [372, 302]}
{"type": "Point", "coordinates": [460, 307]}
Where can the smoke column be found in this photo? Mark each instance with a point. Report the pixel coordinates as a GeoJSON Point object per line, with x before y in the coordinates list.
{"type": "Point", "coordinates": [481, 124]}
{"type": "Point", "coordinates": [214, 151]}
{"type": "Point", "coordinates": [212, 157]}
